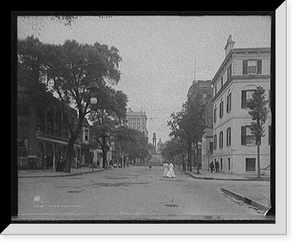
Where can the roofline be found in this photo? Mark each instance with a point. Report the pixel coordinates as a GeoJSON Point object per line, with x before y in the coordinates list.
{"type": "Point", "coordinates": [235, 50]}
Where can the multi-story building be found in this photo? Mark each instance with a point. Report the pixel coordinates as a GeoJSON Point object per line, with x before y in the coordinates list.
{"type": "Point", "coordinates": [202, 89]}
{"type": "Point", "coordinates": [137, 121]}
{"type": "Point", "coordinates": [241, 72]}
{"type": "Point", "coordinates": [42, 133]}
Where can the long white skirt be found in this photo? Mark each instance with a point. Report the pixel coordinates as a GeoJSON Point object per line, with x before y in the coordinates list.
{"type": "Point", "coordinates": [166, 171]}
{"type": "Point", "coordinates": [170, 173]}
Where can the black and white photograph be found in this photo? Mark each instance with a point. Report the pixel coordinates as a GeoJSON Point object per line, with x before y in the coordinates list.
{"type": "Point", "coordinates": [147, 119]}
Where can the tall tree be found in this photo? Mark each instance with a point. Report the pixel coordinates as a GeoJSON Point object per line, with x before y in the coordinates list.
{"type": "Point", "coordinates": [189, 124]}
{"type": "Point", "coordinates": [173, 148]}
{"type": "Point", "coordinates": [180, 129]}
{"type": "Point", "coordinates": [109, 113]}
{"type": "Point", "coordinates": [67, 71]}
{"type": "Point", "coordinates": [259, 113]}
{"type": "Point", "coordinates": [197, 121]}
{"type": "Point", "coordinates": [132, 142]}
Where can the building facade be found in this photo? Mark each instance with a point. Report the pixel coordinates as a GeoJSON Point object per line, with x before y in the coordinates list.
{"type": "Point", "coordinates": [137, 121]}
{"type": "Point", "coordinates": [203, 90]}
{"type": "Point", "coordinates": [42, 134]}
{"type": "Point", "coordinates": [241, 72]}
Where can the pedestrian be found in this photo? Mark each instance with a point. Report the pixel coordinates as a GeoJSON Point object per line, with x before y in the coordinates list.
{"type": "Point", "coordinates": [166, 166]}
{"type": "Point", "coordinates": [211, 167]}
{"type": "Point", "coordinates": [217, 167]}
{"type": "Point", "coordinates": [171, 173]}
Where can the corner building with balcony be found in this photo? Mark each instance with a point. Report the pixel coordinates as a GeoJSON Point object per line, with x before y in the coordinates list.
{"type": "Point", "coordinates": [241, 72]}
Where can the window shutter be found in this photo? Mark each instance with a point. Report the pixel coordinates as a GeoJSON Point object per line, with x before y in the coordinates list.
{"type": "Point", "coordinates": [230, 102]}
{"type": "Point", "coordinates": [244, 67]}
{"type": "Point", "coordinates": [243, 135]}
{"type": "Point", "coordinates": [227, 104]}
{"type": "Point", "coordinates": [244, 104]}
{"type": "Point", "coordinates": [230, 136]}
{"type": "Point", "coordinates": [227, 137]}
{"type": "Point", "coordinates": [259, 66]}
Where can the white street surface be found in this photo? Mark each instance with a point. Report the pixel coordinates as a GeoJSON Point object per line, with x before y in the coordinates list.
{"type": "Point", "coordinates": [129, 193]}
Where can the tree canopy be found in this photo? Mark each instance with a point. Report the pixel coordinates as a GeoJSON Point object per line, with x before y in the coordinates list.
{"type": "Point", "coordinates": [132, 142]}
{"type": "Point", "coordinates": [259, 113]}
{"type": "Point", "coordinates": [189, 124]}
{"type": "Point", "coordinates": [67, 71]}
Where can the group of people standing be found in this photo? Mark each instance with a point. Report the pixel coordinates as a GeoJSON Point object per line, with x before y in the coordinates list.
{"type": "Point", "coordinates": [216, 166]}
{"type": "Point", "coordinates": [169, 170]}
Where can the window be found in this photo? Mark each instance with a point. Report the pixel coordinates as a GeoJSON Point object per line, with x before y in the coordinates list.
{"type": "Point", "coordinates": [215, 142]}
{"type": "Point", "coordinates": [215, 115]}
{"type": "Point", "coordinates": [250, 164]}
{"type": "Point", "coordinates": [229, 164]}
{"type": "Point", "coordinates": [221, 109]}
{"type": "Point", "coordinates": [211, 147]}
{"type": "Point", "coordinates": [229, 72]}
{"type": "Point", "coordinates": [246, 97]}
{"type": "Point", "coordinates": [247, 138]}
{"type": "Point", "coordinates": [228, 106]}
{"type": "Point", "coordinates": [252, 66]}
{"type": "Point", "coordinates": [86, 135]}
{"type": "Point", "coordinates": [228, 136]}
{"type": "Point", "coordinates": [221, 140]}
{"type": "Point", "coordinates": [204, 98]}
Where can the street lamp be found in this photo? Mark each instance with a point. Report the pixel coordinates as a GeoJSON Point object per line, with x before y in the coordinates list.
{"type": "Point", "coordinates": [92, 88]}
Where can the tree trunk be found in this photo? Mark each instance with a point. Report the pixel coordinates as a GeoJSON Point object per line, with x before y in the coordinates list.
{"type": "Point", "coordinates": [189, 156]}
{"type": "Point", "coordinates": [104, 159]}
{"type": "Point", "coordinates": [197, 158]}
{"type": "Point", "coordinates": [104, 152]}
{"type": "Point", "coordinates": [258, 160]}
{"type": "Point", "coordinates": [183, 164]}
{"type": "Point", "coordinates": [71, 143]}
{"type": "Point", "coordinates": [70, 153]}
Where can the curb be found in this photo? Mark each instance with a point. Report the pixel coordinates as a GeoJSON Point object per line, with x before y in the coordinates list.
{"type": "Point", "coordinates": [224, 179]}
{"type": "Point", "coordinates": [245, 199]}
{"type": "Point", "coordinates": [61, 175]}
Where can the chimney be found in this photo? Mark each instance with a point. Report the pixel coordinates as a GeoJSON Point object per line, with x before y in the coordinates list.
{"type": "Point", "coordinates": [229, 45]}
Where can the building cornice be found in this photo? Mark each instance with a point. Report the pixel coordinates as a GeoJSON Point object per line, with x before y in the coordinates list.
{"type": "Point", "coordinates": [239, 51]}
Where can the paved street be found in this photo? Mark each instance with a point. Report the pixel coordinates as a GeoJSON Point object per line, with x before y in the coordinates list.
{"type": "Point", "coordinates": [129, 193]}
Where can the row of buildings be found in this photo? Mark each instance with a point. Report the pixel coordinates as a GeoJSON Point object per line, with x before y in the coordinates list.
{"type": "Point", "coordinates": [42, 136]}
{"type": "Point", "coordinates": [228, 138]}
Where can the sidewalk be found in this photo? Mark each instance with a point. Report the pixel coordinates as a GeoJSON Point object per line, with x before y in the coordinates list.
{"type": "Point", "coordinates": [258, 196]}
{"type": "Point", "coordinates": [207, 175]}
{"type": "Point", "coordinates": [254, 191]}
{"type": "Point", "coordinates": [52, 173]}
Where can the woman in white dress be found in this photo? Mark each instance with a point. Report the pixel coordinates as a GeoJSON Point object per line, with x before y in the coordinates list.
{"type": "Point", "coordinates": [166, 166]}
{"type": "Point", "coordinates": [171, 173]}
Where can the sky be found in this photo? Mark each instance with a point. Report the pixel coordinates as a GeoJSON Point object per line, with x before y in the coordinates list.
{"type": "Point", "coordinates": [161, 55]}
